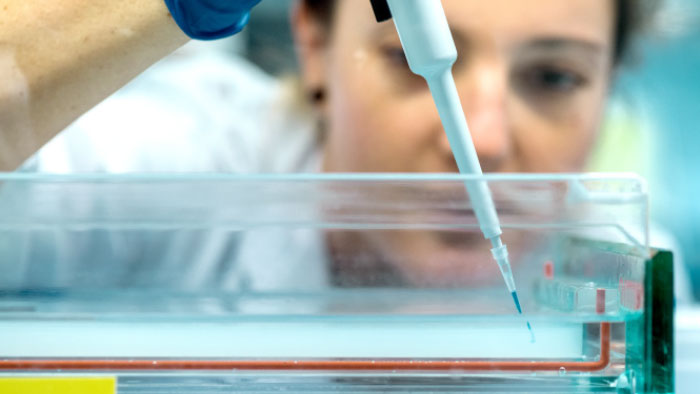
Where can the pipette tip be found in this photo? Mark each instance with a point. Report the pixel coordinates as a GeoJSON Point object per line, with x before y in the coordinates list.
{"type": "Point", "coordinates": [517, 301]}
{"type": "Point", "coordinates": [520, 311]}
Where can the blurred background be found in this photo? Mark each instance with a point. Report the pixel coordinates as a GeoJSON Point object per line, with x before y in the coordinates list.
{"type": "Point", "coordinates": [652, 127]}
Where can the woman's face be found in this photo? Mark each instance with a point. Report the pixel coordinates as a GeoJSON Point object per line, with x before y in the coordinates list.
{"type": "Point", "coordinates": [532, 77]}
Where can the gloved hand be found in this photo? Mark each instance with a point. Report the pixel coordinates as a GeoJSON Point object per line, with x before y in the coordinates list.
{"type": "Point", "coordinates": [211, 19]}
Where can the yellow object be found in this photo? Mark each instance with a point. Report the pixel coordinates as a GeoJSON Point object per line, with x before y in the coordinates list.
{"type": "Point", "coordinates": [624, 143]}
{"type": "Point", "coordinates": [51, 385]}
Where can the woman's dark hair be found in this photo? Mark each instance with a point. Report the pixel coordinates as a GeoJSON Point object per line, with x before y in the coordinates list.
{"type": "Point", "coordinates": [632, 17]}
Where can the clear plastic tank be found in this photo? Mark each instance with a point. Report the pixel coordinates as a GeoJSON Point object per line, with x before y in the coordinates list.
{"type": "Point", "coordinates": [355, 283]}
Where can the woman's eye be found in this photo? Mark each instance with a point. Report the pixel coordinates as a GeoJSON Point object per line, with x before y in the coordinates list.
{"type": "Point", "coordinates": [398, 71]}
{"type": "Point", "coordinates": [395, 56]}
{"type": "Point", "coordinates": [554, 80]}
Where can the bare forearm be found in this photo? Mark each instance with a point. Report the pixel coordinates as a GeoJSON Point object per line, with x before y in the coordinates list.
{"type": "Point", "coordinates": [60, 58]}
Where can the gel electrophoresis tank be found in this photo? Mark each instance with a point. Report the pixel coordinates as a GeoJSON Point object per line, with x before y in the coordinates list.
{"type": "Point", "coordinates": [348, 283]}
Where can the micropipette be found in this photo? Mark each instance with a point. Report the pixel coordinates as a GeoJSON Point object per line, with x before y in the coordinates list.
{"type": "Point", "coordinates": [431, 52]}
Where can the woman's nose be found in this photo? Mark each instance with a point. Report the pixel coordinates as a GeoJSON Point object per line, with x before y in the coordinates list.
{"type": "Point", "coordinates": [483, 92]}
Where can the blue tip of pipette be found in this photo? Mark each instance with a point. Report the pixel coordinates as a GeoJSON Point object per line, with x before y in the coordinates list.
{"type": "Point", "coordinates": [517, 301]}
{"type": "Point", "coordinates": [520, 311]}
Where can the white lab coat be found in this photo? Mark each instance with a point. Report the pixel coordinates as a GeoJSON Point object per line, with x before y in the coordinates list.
{"type": "Point", "coordinates": [188, 114]}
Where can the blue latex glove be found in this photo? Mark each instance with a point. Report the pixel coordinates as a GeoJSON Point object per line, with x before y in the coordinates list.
{"type": "Point", "coordinates": [211, 19]}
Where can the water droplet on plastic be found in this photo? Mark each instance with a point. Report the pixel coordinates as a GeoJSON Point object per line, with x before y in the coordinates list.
{"type": "Point", "coordinates": [562, 371]}
{"type": "Point", "coordinates": [622, 382]}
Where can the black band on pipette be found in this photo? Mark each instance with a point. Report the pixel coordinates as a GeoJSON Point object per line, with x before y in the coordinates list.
{"type": "Point", "coordinates": [381, 10]}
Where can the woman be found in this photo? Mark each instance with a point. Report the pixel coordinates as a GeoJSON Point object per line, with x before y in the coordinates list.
{"type": "Point", "coordinates": [533, 78]}
{"type": "Point", "coordinates": [542, 71]}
